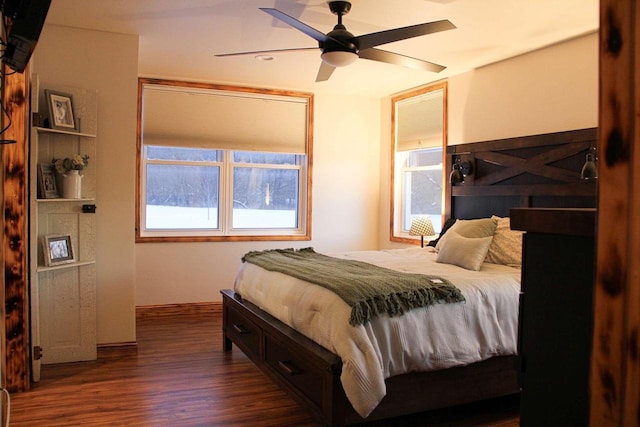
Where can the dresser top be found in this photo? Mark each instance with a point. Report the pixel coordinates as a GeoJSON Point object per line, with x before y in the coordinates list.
{"type": "Point", "coordinates": [567, 221]}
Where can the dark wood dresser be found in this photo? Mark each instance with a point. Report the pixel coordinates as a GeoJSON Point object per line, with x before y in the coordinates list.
{"type": "Point", "coordinates": [556, 315]}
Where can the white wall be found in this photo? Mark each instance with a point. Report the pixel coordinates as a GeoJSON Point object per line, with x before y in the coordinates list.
{"type": "Point", "coordinates": [346, 172]}
{"type": "Point", "coordinates": [108, 63]}
{"type": "Point", "coordinates": [549, 90]}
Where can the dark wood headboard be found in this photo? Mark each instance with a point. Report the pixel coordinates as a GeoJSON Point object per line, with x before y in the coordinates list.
{"type": "Point", "coordinates": [541, 171]}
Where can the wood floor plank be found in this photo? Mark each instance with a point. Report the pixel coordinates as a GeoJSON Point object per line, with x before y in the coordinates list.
{"type": "Point", "coordinates": [179, 376]}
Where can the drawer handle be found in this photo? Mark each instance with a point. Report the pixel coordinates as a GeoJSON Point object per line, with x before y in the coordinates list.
{"type": "Point", "coordinates": [241, 329]}
{"type": "Point", "coordinates": [288, 367]}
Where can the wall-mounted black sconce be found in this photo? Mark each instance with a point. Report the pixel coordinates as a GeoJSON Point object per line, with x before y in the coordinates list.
{"type": "Point", "coordinates": [460, 170]}
{"type": "Point", "coordinates": [590, 169]}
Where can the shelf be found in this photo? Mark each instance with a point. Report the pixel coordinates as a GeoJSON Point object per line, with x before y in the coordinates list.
{"type": "Point", "coordinates": [565, 221]}
{"type": "Point", "coordinates": [64, 132]}
{"type": "Point", "coordinates": [74, 280]}
{"type": "Point", "coordinates": [60, 199]}
{"type": "Point", "coordinates": [43, 268]}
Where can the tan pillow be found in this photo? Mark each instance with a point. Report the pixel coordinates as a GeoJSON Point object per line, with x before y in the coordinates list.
{"type": "Point", "coordinates": [465, 252]}
{"type": "Point", "coordinates": [482, 227]}
{"type": "Point", "coordinates": [506, 246]}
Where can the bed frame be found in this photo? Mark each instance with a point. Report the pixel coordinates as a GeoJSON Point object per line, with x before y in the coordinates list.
{"type": "Point", "coordinates": [533, 171]}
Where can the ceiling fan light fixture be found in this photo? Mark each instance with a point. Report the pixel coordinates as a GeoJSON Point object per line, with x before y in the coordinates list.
{"type": "Point", "coordinates": [339, 58]}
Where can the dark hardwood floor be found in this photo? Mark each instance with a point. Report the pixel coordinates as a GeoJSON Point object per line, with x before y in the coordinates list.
{"type": "Point", "coordinates": [179, 376]}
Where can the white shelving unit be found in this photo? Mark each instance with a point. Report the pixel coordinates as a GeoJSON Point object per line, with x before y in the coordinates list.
{"type": "Point", "coordinates": [63, 296]}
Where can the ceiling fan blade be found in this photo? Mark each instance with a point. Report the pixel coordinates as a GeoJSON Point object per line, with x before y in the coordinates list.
{"type": "Point", "coordinates": [260, 52]}
{"type": "Point", "coordinates": [298, 25]}
{"type": "Point", "coordinates": [370, 40]}
{"type": "Point", "coordinates": [324, 72]}
{"type": "Point", "coordinates": [294, 8]}
{"type": "Point", "coordinates": [397, 59]}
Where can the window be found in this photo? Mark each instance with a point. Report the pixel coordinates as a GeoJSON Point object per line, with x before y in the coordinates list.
{"type": "Point", "coordinates": [419, 143]}
{"type": "Point", "coordinates": [265, 190]}
{"type": "Point", "coordinates": [182, 188]}
{"type": "Point", "coordinates": [216, 164]}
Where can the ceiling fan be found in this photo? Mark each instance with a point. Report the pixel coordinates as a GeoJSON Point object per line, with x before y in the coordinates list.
{"type": "Point", "coordinates": [340, 48]}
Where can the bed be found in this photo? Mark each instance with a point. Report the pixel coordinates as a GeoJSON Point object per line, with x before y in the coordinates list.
{"type": "Point", "coordinates": [533, 171]}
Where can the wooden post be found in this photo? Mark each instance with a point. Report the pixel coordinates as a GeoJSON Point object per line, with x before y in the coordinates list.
{"type": "Point", "coordinates": [15, 101]}
{"type": "Point", "coordinates": [615, 365]}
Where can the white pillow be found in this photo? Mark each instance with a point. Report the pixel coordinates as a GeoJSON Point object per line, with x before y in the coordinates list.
{"type": "Point", "coordinates": [506, 246]}
{"type": "Point", "coordinates": [482, 227]}
{"type": "Point", "coordinates": [465, 252]}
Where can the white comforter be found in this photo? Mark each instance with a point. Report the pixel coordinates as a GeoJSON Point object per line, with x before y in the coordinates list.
{"type": "Point", "coordinates": [424, 339]}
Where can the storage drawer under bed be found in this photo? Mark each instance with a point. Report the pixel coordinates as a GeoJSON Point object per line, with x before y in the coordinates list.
{"type": "Point", "coordinates": [244, 333]}
{"type": "Point", "coordinates": [294, 369]}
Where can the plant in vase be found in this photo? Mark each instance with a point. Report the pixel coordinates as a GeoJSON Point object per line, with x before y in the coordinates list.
{"type": "Point", "coordinates": [76, 162]}
{"type": "Point", "coordinates": [70, 169]}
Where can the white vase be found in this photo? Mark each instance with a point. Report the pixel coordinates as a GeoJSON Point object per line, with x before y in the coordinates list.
{"type": "Point", "coordinates": [72, 185]}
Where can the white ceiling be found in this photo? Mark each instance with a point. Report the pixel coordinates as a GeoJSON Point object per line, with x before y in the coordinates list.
{"type": "Point", "coordinates": [178, 39]}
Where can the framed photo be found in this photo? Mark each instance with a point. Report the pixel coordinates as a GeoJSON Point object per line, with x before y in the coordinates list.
{"type": "Point", "coordinates": [47, 182]}
{"type": "Point", "coordinates": [60, 110]}
{"type": "Point", "coordinates": [57, 249]}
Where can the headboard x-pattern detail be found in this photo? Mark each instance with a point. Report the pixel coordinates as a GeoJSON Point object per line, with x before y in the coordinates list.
{"type": "Point", "coordinates": [531, 171]}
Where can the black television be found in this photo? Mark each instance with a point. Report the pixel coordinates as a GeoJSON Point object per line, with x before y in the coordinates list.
{"type": "Point", "coordinates": [24, 20]}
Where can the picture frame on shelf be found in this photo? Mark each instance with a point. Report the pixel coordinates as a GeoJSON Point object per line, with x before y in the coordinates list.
{"type": "Point", "coordinates": [47, 188]}
{"type": "Point", "coordinates": [57, 249]}
{"type": "Point", "coordinates": [61, 116]}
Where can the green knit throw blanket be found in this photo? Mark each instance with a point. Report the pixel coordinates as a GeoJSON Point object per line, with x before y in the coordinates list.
{"type": "Point", "coordinates": [369, 290]}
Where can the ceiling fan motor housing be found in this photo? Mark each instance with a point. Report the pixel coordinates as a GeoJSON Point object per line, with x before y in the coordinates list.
{"type": "Point", "coordinates": [347, 41]}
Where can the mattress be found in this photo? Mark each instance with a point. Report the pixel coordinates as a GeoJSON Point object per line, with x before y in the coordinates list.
{"type": "Point", "coordinates": [423, 339]}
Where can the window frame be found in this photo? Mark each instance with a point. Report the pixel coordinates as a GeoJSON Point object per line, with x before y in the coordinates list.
{"type": "Point", "coordinates": [397, 193]}
{"type": "Point", "coordinates": [303, 230]}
